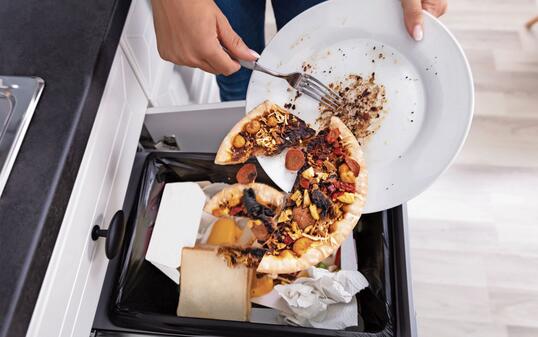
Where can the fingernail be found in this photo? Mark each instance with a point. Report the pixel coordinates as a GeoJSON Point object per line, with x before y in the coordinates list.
{"type": "Point", "coordinates": [418, 33]}
{"type": "Point", "coordinates": [253, 53]}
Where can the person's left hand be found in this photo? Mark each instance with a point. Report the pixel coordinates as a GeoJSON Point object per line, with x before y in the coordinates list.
{"type": "Point", "coordinates": [413, 14]}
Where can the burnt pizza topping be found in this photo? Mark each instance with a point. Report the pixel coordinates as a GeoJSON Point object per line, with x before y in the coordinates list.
{"type": "Point", "coordinates": [254, 209]}
{"type": "Point", "coordinates": [295, 133]}
{"type": "Point", "coordinates": [249, 257]}
{"type": "Point", "coordinates": [322, 202]}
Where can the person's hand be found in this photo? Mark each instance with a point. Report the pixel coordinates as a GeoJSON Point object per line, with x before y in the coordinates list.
{"type": "Point", "coordinates": [413, 14]}
{"type": "Point", "coordinates": [193, 33]}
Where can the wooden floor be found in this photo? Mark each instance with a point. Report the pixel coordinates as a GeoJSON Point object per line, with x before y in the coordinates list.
{"type": "Point", "coordinates": [474, 233]}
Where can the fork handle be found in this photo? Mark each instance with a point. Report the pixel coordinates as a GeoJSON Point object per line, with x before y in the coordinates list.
{"type": "Point", "coordinates": [248, 64]}
{"type": "Point", "coordinates": [254, 65]}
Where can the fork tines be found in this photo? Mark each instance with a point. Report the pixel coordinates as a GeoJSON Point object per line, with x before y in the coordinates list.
{"type": "Point", "coordinates": [311, 86]}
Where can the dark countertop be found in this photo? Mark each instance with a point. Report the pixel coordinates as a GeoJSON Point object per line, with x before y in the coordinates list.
{"type": "Point", "coordinates": [71, 45]}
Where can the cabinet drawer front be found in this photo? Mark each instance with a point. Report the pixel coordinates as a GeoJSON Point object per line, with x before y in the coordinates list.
{"type": "Point", "coordinates": [72, 284]}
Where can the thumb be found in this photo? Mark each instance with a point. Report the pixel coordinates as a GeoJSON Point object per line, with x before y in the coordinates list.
{"type": "Point", "coordinates": [233, 42]}
{"type": "Point", "coordinates": [412, 10]}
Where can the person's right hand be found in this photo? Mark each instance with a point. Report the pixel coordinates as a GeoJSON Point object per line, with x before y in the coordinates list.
{"type": "Point", "coordinates": [194, 32]}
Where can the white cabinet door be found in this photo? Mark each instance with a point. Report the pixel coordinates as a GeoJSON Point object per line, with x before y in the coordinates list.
{"type": "Point", "coordinates": [163, 83]}
{"type": "Point", "coordinates": [70, 291]}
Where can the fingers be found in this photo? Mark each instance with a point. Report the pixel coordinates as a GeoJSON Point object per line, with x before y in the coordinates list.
{"type": "Point", "coordinates": [220, 61]}
{"type": "Point", "coordinates": [435, 7]}
{"type": "Point", "coordinates": [215, 59]}
{"type": "Point", "coordinates": [233, 42]}
{"type": "Point", "coordinates": [412, 10]}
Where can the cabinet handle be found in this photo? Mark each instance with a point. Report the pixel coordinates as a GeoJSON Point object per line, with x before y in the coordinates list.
{"type": "Point", "coordinates": [114, 234]}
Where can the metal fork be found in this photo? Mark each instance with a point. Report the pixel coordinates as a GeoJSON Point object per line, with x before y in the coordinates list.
{"type": "Point", "coordinates": [303, 83]}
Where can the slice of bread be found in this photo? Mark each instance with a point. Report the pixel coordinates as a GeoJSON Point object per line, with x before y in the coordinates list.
{"type": "Point", "coordinates": [211, 289]}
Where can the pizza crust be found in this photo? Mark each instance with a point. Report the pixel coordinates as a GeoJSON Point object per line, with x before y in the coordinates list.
{"type": "Point", "coordinates": [224, 154]}
{"type": "Point", "coordinates": [319, 250]}
{"type": "Point", "coordinates": [264, 194]}
{"type": "Point", "coordinates": [361, 182]}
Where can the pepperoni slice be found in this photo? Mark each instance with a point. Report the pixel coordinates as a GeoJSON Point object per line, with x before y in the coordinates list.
{"type": "Point", "coordinates": [246, 174]}
{"type": "Point", "coordinates": [353, 165]}
{"type": "Point", "coordinates": [294, 159]}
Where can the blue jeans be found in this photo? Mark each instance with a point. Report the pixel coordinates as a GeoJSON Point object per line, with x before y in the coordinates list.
{"type": "Point", "coordinates": [247, 18]}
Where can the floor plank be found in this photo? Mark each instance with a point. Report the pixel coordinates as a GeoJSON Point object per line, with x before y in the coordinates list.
{"type": "Point", "coordinates": [512, 306]}
{"type": "Point", "coordinates": [519, 331]}
{"type": "Point", "coordinates": [502, 142]}
{"type": "Point", "coordinates": [452, 328]}
{"type": "Point", "coordinates": [453, 302]}
{"type": "Point", "coordinates": [456, 268]}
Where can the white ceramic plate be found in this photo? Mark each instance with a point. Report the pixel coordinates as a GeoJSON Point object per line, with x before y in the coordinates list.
{"type": "Point", "coordinates": [428, 84]}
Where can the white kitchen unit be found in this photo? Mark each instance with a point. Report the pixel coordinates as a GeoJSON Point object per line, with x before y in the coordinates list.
{"type": "Point", "coordinates": [138, 79]}
{"type": "Point", "coordinates": [141, 89]}
{"type": "Point", "coordinates": [69, 294]}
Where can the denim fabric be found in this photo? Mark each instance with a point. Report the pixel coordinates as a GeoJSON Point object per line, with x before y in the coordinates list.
{"type": "Point", "coordinates": [247, 18]}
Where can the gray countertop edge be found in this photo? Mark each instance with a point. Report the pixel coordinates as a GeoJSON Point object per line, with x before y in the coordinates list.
{"type": "Point", "coordinates": [71, 45]}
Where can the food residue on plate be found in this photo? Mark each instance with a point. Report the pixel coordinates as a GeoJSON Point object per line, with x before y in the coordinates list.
{"type": "Point", "coordinates": [363, 105]}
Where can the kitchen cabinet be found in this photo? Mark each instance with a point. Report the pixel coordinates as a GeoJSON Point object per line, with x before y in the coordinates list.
{"type": "Point", "coordinates": [70, 291]}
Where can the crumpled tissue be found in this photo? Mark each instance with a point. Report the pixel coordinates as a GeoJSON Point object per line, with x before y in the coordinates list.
{"type": "Point", "coordinates": [324, 299]}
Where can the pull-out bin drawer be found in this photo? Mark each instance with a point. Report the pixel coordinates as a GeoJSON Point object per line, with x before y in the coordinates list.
{"type": "Point", "coordinates": [138, 298]}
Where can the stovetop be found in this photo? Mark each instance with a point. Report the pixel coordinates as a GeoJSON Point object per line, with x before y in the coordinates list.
{"type": "Point", "coordinates": [18, 99]}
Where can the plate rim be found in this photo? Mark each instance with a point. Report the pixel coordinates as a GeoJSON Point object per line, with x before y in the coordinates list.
{"type": "Point", "coordinates": [471, 104]}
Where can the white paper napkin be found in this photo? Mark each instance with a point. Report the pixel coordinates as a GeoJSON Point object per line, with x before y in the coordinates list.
{"type": "Point", "coordinates": [324, 299]}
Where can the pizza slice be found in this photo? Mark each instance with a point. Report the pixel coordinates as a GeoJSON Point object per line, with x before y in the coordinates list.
{"type": "Point", "coordinates": [265, 131]}
{"type": "Point", "coordinates": [320, 212]}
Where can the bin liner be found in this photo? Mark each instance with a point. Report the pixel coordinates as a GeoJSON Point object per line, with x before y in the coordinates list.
{"type": "Point", "coordinates": [146, 299]}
